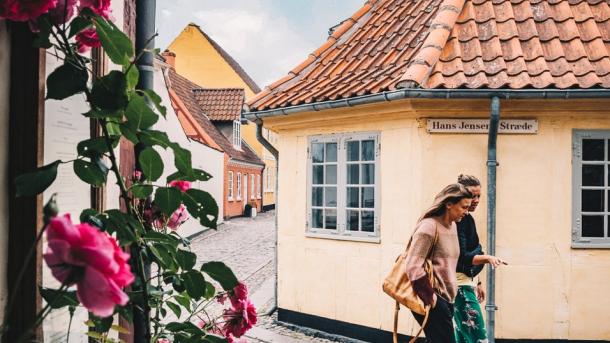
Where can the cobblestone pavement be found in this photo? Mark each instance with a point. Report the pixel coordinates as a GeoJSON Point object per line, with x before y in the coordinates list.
{"type": "Point", "coordinates": [247, 246]}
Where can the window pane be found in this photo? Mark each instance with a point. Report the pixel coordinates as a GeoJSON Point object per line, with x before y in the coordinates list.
{"type": "Point", "coordinates": [592, 200]}
{"type": "Point", "coordinates": [318, 175]}
{"type": "Point", "coordinates": [353, 150]}
{"type": "Point", "coordinates": [317, 152]}
{"type": "Point", "coordinates": [352, 220]}
{"type": "Point", "coordinates": [331, 175]}
{"type": "Point", "coordinates": [593, 150]}
{"type": "Point", "coordinates": [352, 197]}
{"type": "Point", "coordinates": [368, 174]}
{"type": "Point", "coordinates": [331, 196]}
{"type": "Point", "coordinates": [353, 174]}
{"type": "Point", "coordinates": [330, 219]}
{"type": "Point", "coordinates": [368, 197]}
{"type": "Point", "coordinates": [592, 175]}
{"type": "Point", "coordinates": [368, 150]}
{"type": "Point", "coordinates": [592, 226]}
{"type": "Point", "coordinates": [331, 152]}
{"type": "Point", "coordinates": [368, 221]}
{"type": "Point", "coordinates": [316, 218]}
{"type": "Point", "coordinates": [317, 194]}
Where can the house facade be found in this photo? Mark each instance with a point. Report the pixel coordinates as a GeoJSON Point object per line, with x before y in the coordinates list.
{"type": "Point", "coordinates": [200, 59]}
{"type": "Point", "coordinates": [214, 114]}
{"type": "Point", "coordinates": [394, 106]}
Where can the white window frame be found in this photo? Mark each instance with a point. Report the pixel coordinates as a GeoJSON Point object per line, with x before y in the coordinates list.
{"type": "Point", "coordinates": [238, 193]}
{"type": "Point", "coordinates": [258, 186]}
{"type": "Point", "coordinates": [230, 192]}
{"type": "Point", "coordinates": [341, 231]}
{"type": "Point", "coordinates": [578, 241]}
{"type": "Point", "coordinates": [252, 181]}
{"type": "Point", "coordinates": [269, 181]}
{"type": "Point", "coordinates": [237, 134]}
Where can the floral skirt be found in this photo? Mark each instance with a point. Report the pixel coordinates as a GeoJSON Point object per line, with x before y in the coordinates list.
{"type": "Point", "coordinates": [468, 318]}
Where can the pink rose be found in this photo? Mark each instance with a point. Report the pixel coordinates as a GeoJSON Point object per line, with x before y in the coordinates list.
{"type": "Point", "coordinates": [87, 39]}
{"type": "Point", "coordinates": [239, 293]}
{"type": "Point", "coordinates": [83, 255]}
{"type": "Point", "coordinates": [137, 175]}
{"type": "Point", "coordinates": [163, 340]}
{"type": "Point", "coordinates": [63, 12]}
{"type": "Point", "coordinates": [100, 7]}
{"type": "Point", "coordinates": [25, 10]}
{"type": "Point", "coordinates": [181, 185]}
{"type": "Point", "coordinates": [239, 319]}
{"type": "Point", "coordinates": [178, 217]}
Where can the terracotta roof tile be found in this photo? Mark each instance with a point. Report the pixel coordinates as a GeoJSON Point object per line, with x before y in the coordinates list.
{"type": "Point", "coordinates": [390, 44]}
{"type": "Point", "coordinates": [221, 104]}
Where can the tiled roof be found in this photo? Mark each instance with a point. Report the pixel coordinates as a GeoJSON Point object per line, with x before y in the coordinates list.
{"type": "Point", "coordinates": [390, 44]}
{"type": "Point", "coordinates": [186, 89]}
{"type": "Point", "coordinates": [221, 103]}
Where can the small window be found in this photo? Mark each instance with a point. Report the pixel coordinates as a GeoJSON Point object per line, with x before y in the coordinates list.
{"type": "Point", "coordinates": [238, 186]}
{"type": "Point", "coordinates": [237, 134]}
{"type": "Point", "coordinates": [230, 192]}
{"type": "Point", "coordinates": [343, 192]}
{"type": "Point", "coordinates": [258, 186]}
{"type": "Point", "coordinates": [252, 180]}
{"type": "Point", "coordinates": [591, 189]}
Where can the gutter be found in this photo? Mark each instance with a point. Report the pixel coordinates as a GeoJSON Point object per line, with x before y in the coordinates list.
{"type": "Point", "coordinates": [276, 155]}
{"type": "Point", "coordinates": [492, 163]}
{"type": "Point", "coordinates": [417, 93]}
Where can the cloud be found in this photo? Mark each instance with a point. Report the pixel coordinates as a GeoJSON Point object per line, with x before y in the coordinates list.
{"type": "Point", "coordinates": [166, 13]}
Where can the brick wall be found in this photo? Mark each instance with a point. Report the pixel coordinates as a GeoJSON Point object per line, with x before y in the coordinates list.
{"type": "Point", "coordinates": [235, 207]}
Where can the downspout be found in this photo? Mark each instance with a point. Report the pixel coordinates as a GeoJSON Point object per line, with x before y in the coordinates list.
{"type": "Point", "coordinates": [276, 155]}
{"type": "Point", "coordinates": [145, 43]}
{"type": "Point", "coordinates": [492, 163]}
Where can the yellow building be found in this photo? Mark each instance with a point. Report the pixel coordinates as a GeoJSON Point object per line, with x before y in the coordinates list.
{"type": "Point", "coordinates": [390, 110]}
{"type": "Point", "coordinates": [201, 60]}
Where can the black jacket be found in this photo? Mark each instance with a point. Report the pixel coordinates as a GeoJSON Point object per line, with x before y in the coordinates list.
{"type": "Point", "coordinates": [469, 246]}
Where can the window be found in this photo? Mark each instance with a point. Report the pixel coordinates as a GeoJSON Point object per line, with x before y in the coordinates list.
{"type": "Point", "coordinates": [237, 134]}
{"type": "Point", "coordinates": [252, 180]}
{"type": "Point", "coordinates": [238, 186]}
{"type": "Point", "coordinates": [230, 185]}
{"type": "Point", "coordinates": [591, 189]}
{"type": "Point", "coordinates": [258, 186]}
{"type": "Point", "coordinates": [343, 192]}
{"type": "Point", "coordinates": [269, 181]}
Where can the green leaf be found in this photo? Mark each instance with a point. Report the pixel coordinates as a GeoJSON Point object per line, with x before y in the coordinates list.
{"type": "Point", "coordinates": [116, 44]}
{"type": "Point", "coordinates": [66, 81]}
{"type": "Point", "coordinates": [168, 199]}
{"type": "Point", "coordinates": [109, 92]}
{"type": "Point", "coordinates": [139, 115]}
{"type": "Point", "coordinates": [119, 329]}
{"type": "Point", "coordinates": [156, 100]}
{"type": "Point", "coordinates": [37, 181]}
{"type": "Point", "coordinates": [124, 225]}
{"type": "Point", "coordinates": [184, 300]}
{"type": "Point", "coordinates": [210, 290]}
{"type": "Point", "coordinates": [201, 175]}
{"type": "Point", "coordinates": [129, 133]}
{"type": "Point", "coordinates": [151, 164]}
{"type": "Point", "coordinates": [196, 175]}
{"type": "Point", "coordinates": [152, 137]}
{"type": "Point", "coordinates": [159, 237]}
{"type": "Point", "coordinates": [96, 113]}
{"type": "Point", "coordinates": [42, 37]}
{"type": "Point", "coordinates": [187, 327]}
{"type": "Point", "coordinates": [141, 191]}
{"type": "Point", "coordinates": [89, 215]}
{"type": "Point", "coordinates": [221, 273]}
{"type": "Point", "coordinates": [90, 173]}
{"type": "Point", "coordinates": [194, 282]}
{"type": "Point", "coordinates": [163, 256]}
{"type": "Point", "coordinates": [211, 338]}
{"type": "Point", "coordinates": [95, 146]}
{"type": "Point", "coordinates": [174, 307]}
{"type": "Point", "coordinates": [133, 75]}
{"type": "Point", "coordinates": [77, 25]}
{"type": "Point", "coordinates": [186, 259]}
{"type": "Point", "coordinates": [182, 159]}
{"type": "Point", "coordinates": [58, 299]}
{"type": "Point", "coordinates": [202, 205]}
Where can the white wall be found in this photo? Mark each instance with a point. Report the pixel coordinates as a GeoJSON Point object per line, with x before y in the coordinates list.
{"type": "Point", "coordinates": [203, 157]}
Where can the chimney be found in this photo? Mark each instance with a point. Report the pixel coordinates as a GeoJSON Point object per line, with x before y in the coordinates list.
{"type": "Point", "coordinates": [170, 58]}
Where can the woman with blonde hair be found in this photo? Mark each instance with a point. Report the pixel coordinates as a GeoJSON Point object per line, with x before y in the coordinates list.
{"type": "Point", "coordinates": [436, 236]}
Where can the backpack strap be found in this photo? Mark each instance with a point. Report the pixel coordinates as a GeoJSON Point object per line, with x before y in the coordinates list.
{"type": "Point", "coordinates": [421, 329]}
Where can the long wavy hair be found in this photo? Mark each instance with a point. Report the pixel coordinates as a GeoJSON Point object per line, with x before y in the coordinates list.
{"type": "Point", "coordinates": [449, 195]}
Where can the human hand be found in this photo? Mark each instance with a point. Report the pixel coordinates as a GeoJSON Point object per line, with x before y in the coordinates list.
{"type": "Point", "coordinates": [494, 261]}
{"type": "Point", "coordinates": [480, 293]}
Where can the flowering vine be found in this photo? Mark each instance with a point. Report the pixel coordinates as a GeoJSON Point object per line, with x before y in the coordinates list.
{"type": "Point", "coordinates": [102, 261]}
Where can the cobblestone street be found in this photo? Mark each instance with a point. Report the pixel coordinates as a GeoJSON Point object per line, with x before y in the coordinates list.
{"type": "Point", "coordinates": [247, 246]}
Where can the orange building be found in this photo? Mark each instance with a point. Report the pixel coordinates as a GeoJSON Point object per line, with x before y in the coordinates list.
{"type": "Point", "coordinates": [213, 116]}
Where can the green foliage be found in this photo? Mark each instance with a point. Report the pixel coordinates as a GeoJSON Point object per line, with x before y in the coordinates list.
{"type": "Point", "coordinates": [139, 115]}
{"type": "Point", "coordinates": [182, 159]}
{"type": "Point", "coordinates": [95, 146]}
{"type": "Point", "coordinates": [109, 93]}
{"type": "Point", "coordinates": [77, 25]}
{"type": "Point", "coordinates": [90, 173]}
{"type": "Point", "coordinates": [186, 259]}
{"type": "Point", "coordinates": [201, 204]}
{"type": "Point", "coordinates": [116, 44]}
{"type": "Point", "coordinates": [57, 298]}
{"type": "Point", "coordinates": [156, 100]}
{"type": "Point", "coordinates": [36, 181]}
{"type": "Point", "coordinates": [141, 191]}
{"type": "Point", "coordinates": [168, 199]}
{"type": "Point", "coordinates": [194, 282]}
{"type": "Point", "coordinates": [151, 164]}
{"type": "Point", "coordinates": [67, 80]}
{"type": "Point", "coordinates": [221, 273]}
{"type": "Point", "coordinates": [151, 137]}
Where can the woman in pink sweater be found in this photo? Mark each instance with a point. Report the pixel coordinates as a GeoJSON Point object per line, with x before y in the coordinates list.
{"type": "Point", "coordinates": [449, 206]}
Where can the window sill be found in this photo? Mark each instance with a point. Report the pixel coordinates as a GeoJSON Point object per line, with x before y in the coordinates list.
{"type": "Point", "coordinates": [576, 245]}
{"type": "Point", "coordinates": [231, 199]}
{"type": "Point", "coordinates": [269, 191]}
{"type": "Point", "coordinates": [338, 237]}
{"type": "Point", "coordinates": [238, 199]}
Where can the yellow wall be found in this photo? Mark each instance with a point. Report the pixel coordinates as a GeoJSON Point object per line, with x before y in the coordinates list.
{"type": "Point", "coordinates": [200, 62]}
{"type": "Point", "coordinates": [548, 290]}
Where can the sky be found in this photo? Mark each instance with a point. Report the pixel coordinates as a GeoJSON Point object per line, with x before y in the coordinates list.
{"type": "Point", "coordinates": [266, 37]}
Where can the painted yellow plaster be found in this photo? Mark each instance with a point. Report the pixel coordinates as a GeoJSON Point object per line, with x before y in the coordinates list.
{"type": "Point", "coordinates": [548, 290]}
